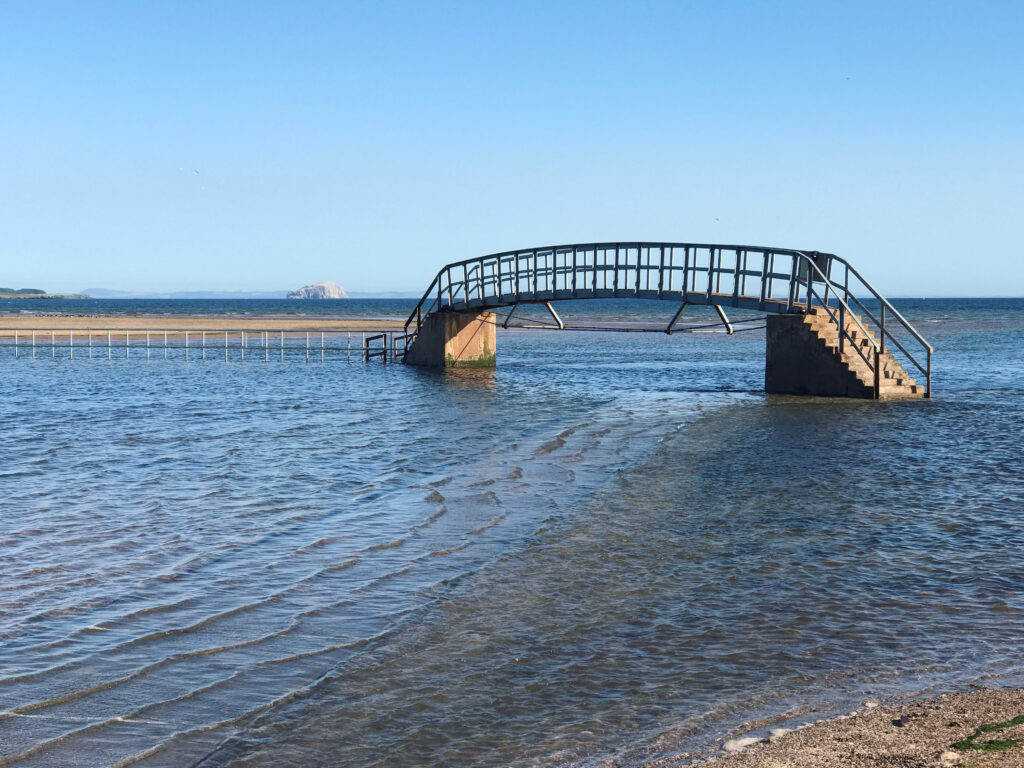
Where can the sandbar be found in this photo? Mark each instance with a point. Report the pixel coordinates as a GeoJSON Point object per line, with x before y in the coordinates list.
{"type": "Point", "coordinates": [177, 324]}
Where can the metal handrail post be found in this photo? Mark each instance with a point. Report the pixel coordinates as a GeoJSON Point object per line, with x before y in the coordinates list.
{"type": "Point", "coordinates": [878, 375]}
{"type": "Point", "coordinates": [842, 326]}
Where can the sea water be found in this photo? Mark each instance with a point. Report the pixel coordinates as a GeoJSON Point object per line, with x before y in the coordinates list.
{"type": "Point", "coordinates": [611, 549]}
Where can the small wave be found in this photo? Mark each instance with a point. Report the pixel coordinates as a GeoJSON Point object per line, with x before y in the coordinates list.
{"type": "Point", "coordinates": [550, 446]}
{"type": "Point", "coordinates": [432, 517]}
{"type": "Point", "coordinates": [495, 521]}
{"type": "Point", "coordinates": [386, 545]}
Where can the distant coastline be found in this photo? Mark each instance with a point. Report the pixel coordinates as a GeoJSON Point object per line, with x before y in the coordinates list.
{"type": "Point", "coordinates": [107, 293]}
{"type": "Point", "coordinates": [17, 295]}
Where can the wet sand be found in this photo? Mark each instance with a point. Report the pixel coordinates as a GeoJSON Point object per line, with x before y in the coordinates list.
{"type": "Point", "coordinates": [181, 323]}
{"type": "Point", "coordinates": [934, 732]}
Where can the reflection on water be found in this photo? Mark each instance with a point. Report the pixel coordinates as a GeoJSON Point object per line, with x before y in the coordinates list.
{"type": "Point", "coordinates": [608, 549]}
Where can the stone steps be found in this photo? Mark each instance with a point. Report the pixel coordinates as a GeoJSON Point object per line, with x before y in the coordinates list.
{"type": "Point", "coordinates": [893, 381]}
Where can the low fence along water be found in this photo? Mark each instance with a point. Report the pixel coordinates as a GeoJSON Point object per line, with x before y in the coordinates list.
{"type": "Point", "coordinates": [212, 344]}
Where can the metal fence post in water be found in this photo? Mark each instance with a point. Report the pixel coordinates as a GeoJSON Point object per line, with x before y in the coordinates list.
{"type": "Point", "coordinates": [348, 346]}
{"type": "Point", "coordinates": [71, 344]}
{"type": "Point", "coordinates": [321, 346]}
{"type": "Point", "coordinates": [204, 344]}
{"type": "Point", "coordinates": [307, 346]}
{"type": "Point", "coordinates": [15, 343]}
{"type": "Point", "coordinates": [108, 344]}
{"type": "Point", "coordinates": [33, 345]}
{"type": "Point", "coordinates": [241, 345]}
{"type": "Point", "coordinates": [90, 343]}
{"type": "Point", "coordinates": [165, 345]}
{"type": "Point", "coordinates": [266, 346]}
{"type": "Point", "coordinates": [282, 346]}
{"type": "Point", "coordinates": [147, 345]}
{"type": "Point", "coordinates": [53, 346]}
{"type": "Point", "coordinates": [127, 347]}
{"type": "Point", "coordinates": [186, 345]}
{"type": "Point", "coordinates": [225, 346]}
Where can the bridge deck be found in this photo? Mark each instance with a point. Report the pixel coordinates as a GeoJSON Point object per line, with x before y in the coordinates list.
{"type": "Point", "coordinates": [740, 301]}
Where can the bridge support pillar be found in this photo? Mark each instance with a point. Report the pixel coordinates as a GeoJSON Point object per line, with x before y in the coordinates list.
{"type": "Point", "coordinates": [449, 340]}
{"type": "Point", "coordinates": [798, 362]}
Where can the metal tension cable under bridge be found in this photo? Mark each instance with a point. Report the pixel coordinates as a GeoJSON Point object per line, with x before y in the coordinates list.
{"type": "Point", "coordinates": [814, 297]}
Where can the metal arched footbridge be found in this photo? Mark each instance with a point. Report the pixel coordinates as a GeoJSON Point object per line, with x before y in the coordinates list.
{"type": "Point", "coordinates": [851, 316]}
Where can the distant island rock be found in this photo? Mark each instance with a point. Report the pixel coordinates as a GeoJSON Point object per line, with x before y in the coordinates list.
{"type": "Point", "coordinates": [319, 291]}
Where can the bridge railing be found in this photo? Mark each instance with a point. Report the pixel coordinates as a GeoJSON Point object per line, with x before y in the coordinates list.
{"type": "Point", "coordinates": [763, 279]}
{"type": "Point", "coordinates": [890, 327]}
{"type": "Point", "coordinates": [609, 270]}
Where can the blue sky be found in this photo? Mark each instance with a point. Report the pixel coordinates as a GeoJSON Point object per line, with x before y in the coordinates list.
{"type": "Point", "coordinates": [261, 146]}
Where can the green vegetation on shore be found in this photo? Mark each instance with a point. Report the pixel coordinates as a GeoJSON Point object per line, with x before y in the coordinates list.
{"type": "Point", "coordinates": [993, 745]}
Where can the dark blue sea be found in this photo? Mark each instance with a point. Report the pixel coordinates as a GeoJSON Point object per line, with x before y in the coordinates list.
{"type": "Point", "coordinates": [612, 549]}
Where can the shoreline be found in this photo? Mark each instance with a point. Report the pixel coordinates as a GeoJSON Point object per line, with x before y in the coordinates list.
{"type": "Point", "coordinates": [9, 324]}
{"type": "Point", "coordinates": [983, 727]}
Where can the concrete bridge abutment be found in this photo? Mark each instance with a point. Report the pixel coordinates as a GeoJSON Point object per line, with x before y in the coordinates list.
{"type": "Point", "coordinates": [450, 340]}
{"type": "Point", "coordinates": [799, 362]}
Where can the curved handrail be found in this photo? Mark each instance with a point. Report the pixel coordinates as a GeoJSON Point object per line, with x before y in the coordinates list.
{"type": "Point", "coordinates": [885, 302]}
{"type": "Point", "coordinates": [588, 247]}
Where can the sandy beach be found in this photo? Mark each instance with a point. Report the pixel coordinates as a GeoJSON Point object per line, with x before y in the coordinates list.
{"type": "Point", "coordinates": [180, 323]}
{"type": "Point", "coordinates": [980, 728]}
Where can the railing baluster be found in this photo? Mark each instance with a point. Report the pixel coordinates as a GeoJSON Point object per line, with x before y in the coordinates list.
{"type": "Point", "coordinates": [764, 278]}
{"type": "Point", "coordinates": [639, 261]}
{"type": "Point", "coordinates": [661, 272]}
{"type": "Point", "coordinates": [615, 276]}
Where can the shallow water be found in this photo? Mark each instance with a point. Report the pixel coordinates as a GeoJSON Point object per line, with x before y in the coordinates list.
{"type": "Point", "coordinates": [611, 548]}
